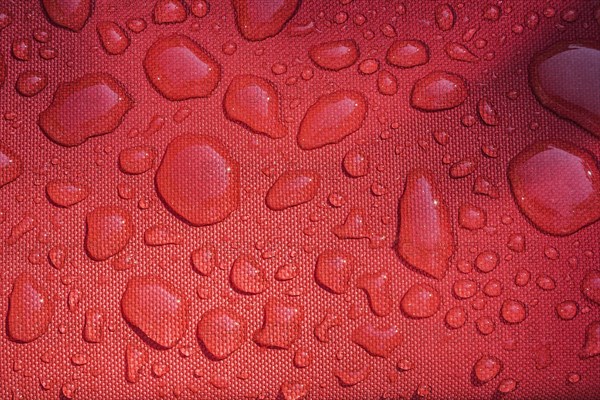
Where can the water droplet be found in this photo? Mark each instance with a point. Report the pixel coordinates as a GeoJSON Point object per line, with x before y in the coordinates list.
{"type": "Point", "coordinates": [351, 377]}
{"type": "Point", "coordinates": [198, 180]}
{"type": "Point", "coordinates": [471, 217]}
{"type": "Point", "coordinates": [573, 177]}
{"type": "Point", "coordinates": [199, 8]}
{"type": "Point", "coordinates": [70, 14]}
{"type": "Point", "coordinates": [65, 193]}
{"type": "Point", "coordinates": [356, 163]}
{"type": "Point", "coordinates": [591, 345]}
{"type": "Point", "coordinates": [387, 83]}
{"type": "Point", "coordinates": [458, 52]}
{"type": "Point", "coordinates": [30, 310]}
{"type": "Point", "coordinates": [282, 324]}
{"type": "Point", "coordinates": [221, 331]}
{"type": "Point", "coordinates": [109, 230]}
{"type": "Point", "coordinates": [462, 169]}
{"type": "Point", "coordinates": [567, 310]}
{"type": "Point", "coordinates": [335, 55]}
{"type": "Point", "coordinates": [156, 310]}
{"type": "Point", "coordinates": [169, 12]}
{"type": "Point", "coordinates": [564, 77]}
{"type": "Point", "coordinates": [368, 66]}
{"type": "Point", "coordinates": [491, 12]}
{"type": "Point", "coordinates": [93, 330]}
{"type": "Point", "coordinates": [464, 288]}
{"type": "Point", "coordinates": [195, 75]}
{"type": "Point", "coordinates": [258, 20]}
{"type": "Point", "coordinates": [378, 340]}
{"type": "Point", "coordinates": [354, 226]}
{"type": "Point", "coordinates": [137, 160]}
{"type": "Point", "coordinates": [247, 276]}
{"type": "Point", "coordinates": [333, 270]}
{"type": "Point", "coordinates": [487, 368]}
{"type": "Point", "coordinates": [292, 188]}
{"type": "Point", "coordinates": [438, 91]}
{"type": "Point", "coordinates": [204, 260]}
{"type": "Point", "coordinates": [377, 285]}
{"type": "Point", "coordinates": [30, 83]}
{"type": "Point", "coordinates": [590, 286]}
{"type": "Point", "coordinates": [113, 37]}
{"type": "Point", "coordinates": [11, 166]}
{"type": "Point", "coordinates": [425, 237]}
{"type": "Point", "coordinates": [254, 102]}
{"type": "Point", "coordinates": [135, 359]}
{"type": "Point", "coordinates": [444, 16]}
{"type": "Point", "coordinates": [407, 54]}
{"type": "Point", "coordinates": [92, 105]}
{"type": "Point", "coordinates": [487, 112]}
{"type": "Point", "coordinates": [513, 311]}
{"type": "Point", "coordinates": [420, 301]}
{"type": "Point", "coordinates": [332, 118]}
{"type": "Point", "coordinates": [456, 317]}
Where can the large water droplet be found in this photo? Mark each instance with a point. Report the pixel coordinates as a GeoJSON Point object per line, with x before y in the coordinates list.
{"type": "Point", "coordinates": [109, 230]}
{"type": "Point", "coordinates": [156, 309]}
{"type": "Point", "coordinates": [169, 12]}
{"type": "Point", "coordinates": [438, 91]}
{"type": "Point", "coordinates": [254, 102]}
{"type": "Point", "coordinates": [137, 160]}
{"type": "Point", "coordinates": [487, 368]}
{"type": "Point", "coordinates": [335, 55]}
{"type": "Point", "coordinates": [195, 74]}
{"type": "Point", "coordinates": [221, 331]}
{"type": "Point", "coordinates": [557, 186]}
{"type": "Point", "coordinates": [377, 340]}
{"type": "Point", "coordinates": [248, 276]}
{"type": "Point", "coordinates": [425, 238]}
{"type": "Point", "coordinates": [30, 310]}
{"type": "Point", "coordinates": [331, 118]}
{"type": "Point", "coordinates": [564, 77]}
{"type": "Point", "coordinates": [258, 19]}
{"type": "Point", "coordinates": [198, 179]}
{"type": "Point", "coordinates": [70, 14]}
{"type": "Point", "coordinates": [65, 193]}
{"type": "Point", "coordinates": [92, 105]}
{"type": "Point", "coordinates": [113, 37]}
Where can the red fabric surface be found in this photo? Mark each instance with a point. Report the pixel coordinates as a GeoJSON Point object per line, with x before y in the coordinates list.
{"type": "Point", "coordinates": [118, 271]}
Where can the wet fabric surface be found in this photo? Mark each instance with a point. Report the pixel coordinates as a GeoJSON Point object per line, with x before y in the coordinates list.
{"type": "Point", "coordinates": [284, 199]}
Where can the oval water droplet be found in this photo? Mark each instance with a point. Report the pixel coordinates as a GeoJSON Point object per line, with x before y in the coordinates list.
{"type": "Point", "coordinates": [113, 37]}
{"type": "Point", "coordinates": [137, 160]}
{"type": "Point", "coordinates": [196, 74]}
{"type": "Point", "coordinates": [293, 188]}
{"type": "Point", "coordinates": [438, 91]}
{"type": "Point", "coordinates": [247, 276]}
{"type": "Point", "coordinates": [333, 270]}
{"type": "Point", "coordinates": [335, 55]}
{"type": "Point", "coordinates": [65, 193]}
{"type": "Point", "coordinates": [11, 166]}
{"type": "Point", "coordinates": [420, 301]}
{"type": "Point", "coordinates": [557, 186]}
{"type": "Point", "coordinates": [198, 179]}
{"type": "Point", "coordinates": [407, 53]}
{"type": "Point", "coordinates": [487, 368]}
{"type": "Point", "coordinates": [30, 83]}
{"type": "Point", "coordinates": [169, 12]}
{"type": "Point", "coordinates": [221, 331]}
{"type": "Point", "coordinates": [70, 14]}
{"type": "Point", "coordinates": [258, 20]}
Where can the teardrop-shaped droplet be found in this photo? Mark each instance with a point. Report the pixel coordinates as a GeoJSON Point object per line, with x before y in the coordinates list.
{"type": "Point", "coordinates": [156, 309]}
{"type": "Point", "coordinates": [333, 270]}
{"type": "Point", "coordinates": [258, 19]}
{"type": "Point", "coordinates": [113, 37]}
{"type": "Point", "coordinates": [438, 91]}
{"type": "Point", "coordinates": [356, 163]}
{"type": "Point", "coordinates": [331, 119]}
{"type": "Point", "coordinates": [444, 17]}
{"type": "Point", "coordinates": [335, 55]}
{"type": "Point", "coordinates": [387, 84]}
{"type": "Point", "coordinates": [222, 331]}
{"type": "Point", "coordinates": [487, 112]}
{"type": "Point", "coordinates": [199, 180]}
{"type": "Point", "coordinates": [195, 74]}
{"type": "Point", "coordinates": [109, 230]}
{"type": "Point", "coordinates": [407, 53]}
{"type": "Point", "coordinates": [420, 301]}
{"type": "Point", "coordinates": [92, 105]}
{"type": "Point", "coordinates": [65, 193]}
{"type": "Point", "coordinates": [557, 186]}
{"type": "Point", "coordinates": [70, 14]}
{"type": "Point", "coordinates": [11, 166]}
{"type": "Point", "coordinates": [458, 52]}
{"type": "Point", "coordinates": [292, 188]}
{"type": "Point", "coordinates": [30, 310]}
{"type": "Point", "coordinates": [564, 77]}
{"type": "Point", "coordinates": [254, 102]}
{"type": "Point", "coordinates": [425, 238]}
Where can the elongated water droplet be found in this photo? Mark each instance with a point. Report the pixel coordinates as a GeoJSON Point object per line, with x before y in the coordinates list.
{"type": "Point", "coordinates": [407, 53]}
{"type": "Point", "coordinates": [258, 20]}
{"type": "Point", "coordinates": [109, 230]}
{"type": "Point", "coordinates": [30, 310]}
{"type": "Point", "coordinates": [293, 188]}
{"type": "Point", "coordinates": [438, 91]}
{"type": "Point", "coordinates": [70, 14]}
{"type": "Point", "coordinates": [335, 55]}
